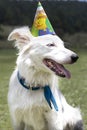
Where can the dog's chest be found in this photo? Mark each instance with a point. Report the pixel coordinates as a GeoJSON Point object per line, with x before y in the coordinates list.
{"type": "Point", "coordinates": [31, 107]}
{"type": "Point", "coordinates": [33, 116]}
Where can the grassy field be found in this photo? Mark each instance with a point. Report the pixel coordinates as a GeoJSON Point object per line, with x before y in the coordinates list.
{"type": "Point", "coordinates": [75, 89]}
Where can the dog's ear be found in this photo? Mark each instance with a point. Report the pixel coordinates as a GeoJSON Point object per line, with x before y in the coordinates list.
{"type": "Point", "coordinates": [22, 36]}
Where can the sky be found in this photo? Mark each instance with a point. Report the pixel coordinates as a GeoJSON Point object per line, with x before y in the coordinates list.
{"type": "Point", "coordinates": [82, 0]}
{"type": "Point", "coordinates": [79, 0]}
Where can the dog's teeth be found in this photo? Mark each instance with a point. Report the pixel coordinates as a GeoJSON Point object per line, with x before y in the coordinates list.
{"type": "Point", "coordinates": [54, 67]}
{"type": "Point", "coordinates": [50, 64]}
{"type": "Point", "coordinates": [61, 73]}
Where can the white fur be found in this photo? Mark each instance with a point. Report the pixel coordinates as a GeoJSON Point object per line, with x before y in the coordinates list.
{"type": "Point", "coordinates": [29, 109]}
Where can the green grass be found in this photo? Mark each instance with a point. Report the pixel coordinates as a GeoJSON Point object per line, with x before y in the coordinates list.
{"type": "Point", "coordinates": [75, 89]}
{"type": "Point", "coordinates": [7, 63]}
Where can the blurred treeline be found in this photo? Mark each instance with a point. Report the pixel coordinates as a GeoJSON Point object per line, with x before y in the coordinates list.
{"type": "Point", "coordinates": [65, 16]}
{"type": "Point", "coordinates": [68, 18]}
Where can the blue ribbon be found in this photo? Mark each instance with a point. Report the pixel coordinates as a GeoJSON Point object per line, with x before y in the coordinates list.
{"type": "Point", "coordinates": [49, 97]}
{"type": "Point", "coordinates": [47, 92]}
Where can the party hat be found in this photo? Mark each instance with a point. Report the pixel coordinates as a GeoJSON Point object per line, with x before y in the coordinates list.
{"type": "Point", "coordinates": [41, 25]}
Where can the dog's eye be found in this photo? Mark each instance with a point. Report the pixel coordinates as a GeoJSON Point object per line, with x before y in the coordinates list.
{"type": "Point", "coordinates": [51, 44]}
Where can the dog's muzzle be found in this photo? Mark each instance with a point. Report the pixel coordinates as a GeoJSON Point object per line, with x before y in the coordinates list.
{"type": "Point", "coordinates": [59, 69]}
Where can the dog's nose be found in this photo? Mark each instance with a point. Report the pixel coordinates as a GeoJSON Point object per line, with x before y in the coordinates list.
{"type": "Point", "coordinates": [74, 58]}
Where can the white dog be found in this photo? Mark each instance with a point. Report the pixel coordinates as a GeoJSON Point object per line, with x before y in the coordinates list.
{"type": "Point", "coordinates": [35, 102]}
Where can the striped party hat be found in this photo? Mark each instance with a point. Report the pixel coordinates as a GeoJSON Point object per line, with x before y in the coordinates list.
{"type": "Point", "coordinates": [41, 25]}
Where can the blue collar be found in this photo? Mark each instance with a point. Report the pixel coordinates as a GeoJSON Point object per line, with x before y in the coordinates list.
{"type": "Point", "coordinates": [47, 92]}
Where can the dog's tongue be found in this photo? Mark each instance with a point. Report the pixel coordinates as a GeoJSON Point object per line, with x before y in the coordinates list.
{"type": "Point", "coordinates": [66, 72]}
{"type": "Point", "coordinates": [61, 70]}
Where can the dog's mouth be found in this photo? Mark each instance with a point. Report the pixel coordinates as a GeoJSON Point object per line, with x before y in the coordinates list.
{"type": "Point", "coordinates": [57, 68]}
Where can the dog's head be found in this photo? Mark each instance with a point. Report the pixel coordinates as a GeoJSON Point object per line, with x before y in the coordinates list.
{"type": "Point", "coordinates": [44, 53]}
